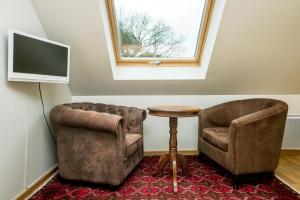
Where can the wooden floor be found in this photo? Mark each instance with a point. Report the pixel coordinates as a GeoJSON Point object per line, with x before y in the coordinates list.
{"type": "Point", "coordinates": [288, 169]}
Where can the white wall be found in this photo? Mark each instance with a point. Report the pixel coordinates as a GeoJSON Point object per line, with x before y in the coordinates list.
{"type": "Point", "coordinates": [256, 50]}
{"type": "Point", "coordinates": [156, 129]}
{"type": "Point", "coordinates": [26, 149]}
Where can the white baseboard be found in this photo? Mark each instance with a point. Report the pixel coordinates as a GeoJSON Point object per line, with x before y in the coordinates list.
{"type": "Point", "coordinates": [37, 184]}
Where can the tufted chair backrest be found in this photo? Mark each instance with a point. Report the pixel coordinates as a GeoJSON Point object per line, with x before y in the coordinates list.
{"type": "Point", "coordinates": [133, 116]}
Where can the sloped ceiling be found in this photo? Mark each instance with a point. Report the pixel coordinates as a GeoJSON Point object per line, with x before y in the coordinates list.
{"type": "Point", "coordinates": [257, 50]}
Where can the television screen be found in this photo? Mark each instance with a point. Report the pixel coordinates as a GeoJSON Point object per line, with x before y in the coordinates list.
{"type": "Point", "coordinates": [37, 59]}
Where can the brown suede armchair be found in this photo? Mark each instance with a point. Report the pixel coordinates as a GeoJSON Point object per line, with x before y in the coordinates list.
{"type": "Point", "coordinates": [97, 142]}
{"type": "Point", "coordinates": [243, 136]}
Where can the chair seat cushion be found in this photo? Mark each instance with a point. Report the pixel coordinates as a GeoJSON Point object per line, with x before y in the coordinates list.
{"type": "Point", "coordinates": [133, 142]}
{"type": "Point", "coordinates": [217, 136]}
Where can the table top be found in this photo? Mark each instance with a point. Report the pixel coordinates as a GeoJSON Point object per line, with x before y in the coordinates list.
{"type": "Point", "coordinates": [173, 111]}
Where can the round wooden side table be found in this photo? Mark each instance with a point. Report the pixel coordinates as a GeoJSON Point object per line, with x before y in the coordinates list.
{"type": "Point", "coordinates": [173, 112]}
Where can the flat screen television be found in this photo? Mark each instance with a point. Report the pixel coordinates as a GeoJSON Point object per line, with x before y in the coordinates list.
{"type": "Point", "coordinates": [35, 59]}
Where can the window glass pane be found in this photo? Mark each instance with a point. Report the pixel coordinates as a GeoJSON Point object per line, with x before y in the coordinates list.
{"type": "Point", "coordinates": [158, 28]}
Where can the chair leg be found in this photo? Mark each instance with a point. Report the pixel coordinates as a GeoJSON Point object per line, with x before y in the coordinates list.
{"type": "Point", "coordinates": [113, 188]}
{"type": "Point", "coordinates": [235, 182]}
{"type": "Point", "coordinates": [270, 176]}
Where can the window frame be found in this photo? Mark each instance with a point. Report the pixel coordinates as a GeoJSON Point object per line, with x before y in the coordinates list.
{"type": "Point", "coordinates": [162, 62]}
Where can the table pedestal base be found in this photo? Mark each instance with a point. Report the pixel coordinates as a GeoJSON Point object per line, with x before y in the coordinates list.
{"type": "Point", "coordinates": [173, 112]}
{"type": "Point", "coordinates": [173, 158]}
{"type": "Point", "coordinates": [179, 160]}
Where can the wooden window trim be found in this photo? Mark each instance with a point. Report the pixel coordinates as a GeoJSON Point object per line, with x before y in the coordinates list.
{"type": "Point", "coordinates": [205, 23]}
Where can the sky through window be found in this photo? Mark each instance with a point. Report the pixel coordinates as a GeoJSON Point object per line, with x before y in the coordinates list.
{"type": "Point", "coordinates": [158, 28]}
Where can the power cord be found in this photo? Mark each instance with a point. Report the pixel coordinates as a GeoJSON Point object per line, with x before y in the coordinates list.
{"type": "Point", "coordinates": [41, 97]}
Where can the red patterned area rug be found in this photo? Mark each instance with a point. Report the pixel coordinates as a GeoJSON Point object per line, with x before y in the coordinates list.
{"type": "Point", "coordinates": [208, 181]}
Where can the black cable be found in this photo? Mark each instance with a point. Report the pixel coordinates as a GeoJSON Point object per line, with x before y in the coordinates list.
{"type": "Point", "coordinates": [50, 132]}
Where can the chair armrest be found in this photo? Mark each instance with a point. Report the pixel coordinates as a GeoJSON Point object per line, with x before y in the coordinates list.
{"type": "Point", "coordinates": [136, 114]}
{"type": "Point", "coordinates": [76, 118]}
{"type": "Point", "coordinates": [255, 140]}
{"type": "Point", "coordinates": [257, 116]}
{"type": "Point", "coordinates": [134, 118]}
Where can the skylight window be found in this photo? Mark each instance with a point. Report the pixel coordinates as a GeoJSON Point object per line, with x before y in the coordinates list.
{"type": "Point", "coordinates": [158, 32]}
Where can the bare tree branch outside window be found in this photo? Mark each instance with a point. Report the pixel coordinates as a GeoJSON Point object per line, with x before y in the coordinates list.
{"type": "Point", "coordinates": [141, 36]}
